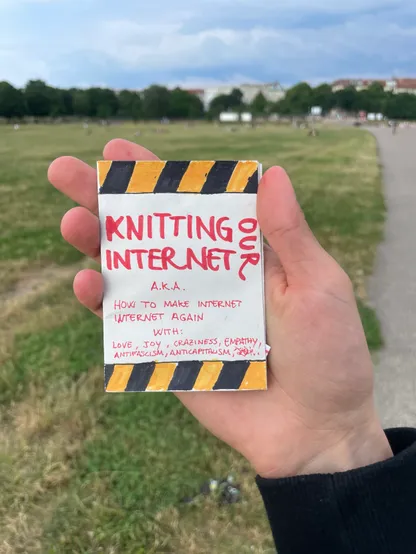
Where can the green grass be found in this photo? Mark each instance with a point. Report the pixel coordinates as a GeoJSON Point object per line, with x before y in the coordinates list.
{"type": "Point", "coordinates": [371, 325]}
{"type": "Point", "coordinates": [85, 472]}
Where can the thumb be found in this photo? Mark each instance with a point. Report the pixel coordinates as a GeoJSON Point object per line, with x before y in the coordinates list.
{"type": "Point", "coordinates": [285, 228]}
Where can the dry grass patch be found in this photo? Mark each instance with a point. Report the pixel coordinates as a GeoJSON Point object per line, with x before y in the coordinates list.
{"type": "Point", "coordinates": [38, 439]}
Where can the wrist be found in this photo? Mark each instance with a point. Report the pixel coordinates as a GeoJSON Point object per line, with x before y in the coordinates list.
{"type": "Point", "coordinates": [357, 449]}
{"type": "Point", "coordinates": [346, 451]}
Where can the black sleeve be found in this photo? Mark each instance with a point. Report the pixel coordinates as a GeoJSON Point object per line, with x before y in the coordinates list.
{"type": "Point", "coordinates": [371, 510]}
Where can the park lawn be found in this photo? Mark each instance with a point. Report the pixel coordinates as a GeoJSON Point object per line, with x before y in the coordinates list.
{"type": "Point", "coordinates": [85, 472]}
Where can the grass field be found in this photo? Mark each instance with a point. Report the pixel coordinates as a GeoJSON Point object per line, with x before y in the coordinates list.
{"type": "Point", "coordinates": [82, 472]}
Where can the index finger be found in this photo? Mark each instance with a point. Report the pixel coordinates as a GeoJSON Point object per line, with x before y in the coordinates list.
{"type": "Point", "coordinates": [75, 179]}
{"type": "Point", "coordinates": [78, 180]}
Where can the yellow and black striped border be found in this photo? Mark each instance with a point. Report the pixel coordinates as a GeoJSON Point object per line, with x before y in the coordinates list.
{"type": "Point", "coordinates": [201, 177]}
{"type": "Point", "coordinates": [186, 376]}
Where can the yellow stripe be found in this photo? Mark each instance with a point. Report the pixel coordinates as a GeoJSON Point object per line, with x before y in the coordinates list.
{"type": "Point", "coordinates": [145, 176]}
{"type": "Point", "coordinates": [195, 176]}
{"type": "Point", "coordinates": [241, 174]}
{"type": "Point", "coordinates": [103, 168]}
{"type": "Point", "coordinates": [161, 377]}
{"type": "Point", "coordinates": [208, 375]}
{"type": "Point", "coordinates": [120, 378]}
{"type": "Point", "coordinates": [256, 377]}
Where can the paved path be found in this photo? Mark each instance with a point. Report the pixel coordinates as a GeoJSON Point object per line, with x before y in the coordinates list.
{"type": "Point", "coordinates": [393, 286]}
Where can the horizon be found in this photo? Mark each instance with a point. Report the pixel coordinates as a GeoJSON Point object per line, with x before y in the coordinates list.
{"type": "Point", "coordinates": [222, 84]}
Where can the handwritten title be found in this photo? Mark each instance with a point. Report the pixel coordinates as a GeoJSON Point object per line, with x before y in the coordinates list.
{"type": "Point", "coordinates": [229, 242]}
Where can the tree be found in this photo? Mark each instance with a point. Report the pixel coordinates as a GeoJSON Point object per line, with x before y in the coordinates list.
{"type": "Point", "coordinates": [156, 102]}
{"type": "Point", "coordinates": [236, 98]}
{"type": "Point", "coordinates": [298, 101]}
{"type": "Point", "coordinates": [95, 102]}
{"type": "Point", "coordinates": [220, 103]}
{"type": "Point", "coordinates": [323, 96]}
{"type": "Point", "coordinates": [129, 104]}
{"type": "Point", "coordinates": [39, 98]}
{"type": "Point", "coordinates": [184, 105]}
{"type": "Point", "coordinates": [11, 101]}
{"type": "Point", "coordinates": [136, 107]}
{"type": "Point", "coordinates": [372, 99]}
{"type": "Point", "coordinates": [377, 97]}
{"type": "Point", "coordinates": [108, 102]}
{"type": "Point", "coordinates": [82, 103]}
{"type": "Point", "coordinates": [400, 106]}
{"type": "Point", "coordinates": [347, 99]}
{"type": "Point", "coordinates": [281, 107]}
{"type": "Point", "coordinates": [196, 107]}
{"type": "Point", "coordinates": [103, 102]}
{"type": "Point", "coordinates": [67, 102]}
{"type": "Point", "coordinates": [103, 111]}
{"type": "Point", "coordinates": [227, 102]}
{"type": "Point", "coordinates": [58, 102]}
{"type": "Point", "coordinates": [259, 105]}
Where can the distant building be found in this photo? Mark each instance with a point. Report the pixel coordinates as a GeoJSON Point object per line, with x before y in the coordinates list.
{"type": "Point", "coordinates": [398, 86]}
{"type": "Point", "coordinates": [358, 84]}
{"type": "Point", "coordinates": [200, 92]}
{"type": "Point", "coordinates": [394, 85]}
{"type": "Point", "coordinates": [273, 92]}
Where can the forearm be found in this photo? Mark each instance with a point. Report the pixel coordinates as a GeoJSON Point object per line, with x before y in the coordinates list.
{"type": "Point", "coordinates": [363, 511]}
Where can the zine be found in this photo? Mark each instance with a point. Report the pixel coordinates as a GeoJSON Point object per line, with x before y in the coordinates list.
{"type": "Point", "coordinates": [182, 262]}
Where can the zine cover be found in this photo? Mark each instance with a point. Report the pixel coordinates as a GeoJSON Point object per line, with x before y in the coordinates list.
{"type": "Point", "coordinates": [182, 262]}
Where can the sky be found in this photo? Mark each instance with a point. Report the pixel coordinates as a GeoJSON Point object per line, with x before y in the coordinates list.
{"type": "Point", "coordinates": [196, 43]}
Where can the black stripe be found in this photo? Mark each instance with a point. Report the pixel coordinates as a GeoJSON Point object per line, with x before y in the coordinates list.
{"type": "Point", "coordinates": [108, 372]}
{"type": "Point", "coordinates": [118, 178]}
{"type": "Point", "coordinates": [253, 184]}
{"type": "Point", "coordinates": [171, 176]}
{"type": "Point", "coordinates": [232, 375]}
{"type": "Point", "coordinates": [140, 377]}
{"type": "Point", "coordinates": [185, 375]}
{"type": "Point", "coordinates": [218, 177]}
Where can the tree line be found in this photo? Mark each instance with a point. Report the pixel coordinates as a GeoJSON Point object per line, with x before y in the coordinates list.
{"type": "Point", "coordinates": [39, 100]}
{"type": "Point", "coordinates": [299, 100]}
{"type": "Point", "coordinates": [374, 99]}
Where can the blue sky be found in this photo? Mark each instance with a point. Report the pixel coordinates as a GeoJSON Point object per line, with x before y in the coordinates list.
{"type": "Point", "coordinates": [130, 43]}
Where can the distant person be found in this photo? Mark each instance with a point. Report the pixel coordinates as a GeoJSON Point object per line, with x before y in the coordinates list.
{"type": "Point", "coordinates": [86, 128]}
{"type": "Point", "coordinates": [394, 125]}
{"type": "Point", "coordinates": [333, 482]}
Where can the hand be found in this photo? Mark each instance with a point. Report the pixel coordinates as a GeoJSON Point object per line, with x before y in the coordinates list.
{"type": "Point", "coordinates": [317, 415]}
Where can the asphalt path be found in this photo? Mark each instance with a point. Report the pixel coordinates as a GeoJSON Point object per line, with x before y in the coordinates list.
{"type": "Point", "coordinates": [392, 288]}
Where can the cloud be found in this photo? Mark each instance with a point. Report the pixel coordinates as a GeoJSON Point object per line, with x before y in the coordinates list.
{"type": "Point", "coordinates": [162, 46]}
{"type": "Point", "coordinates": [194, 82]}
{"type": "Point", "coordinates": [234, 8]}
{"type": "Point", "coordinates": [81, 41]}
{"type": "Point", "coordinates": [19, 3]}
{"type": "Point", "coordinates": [352, 6]}
{"type": "Point", "coordinates": [19, 69]}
